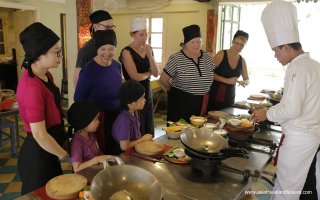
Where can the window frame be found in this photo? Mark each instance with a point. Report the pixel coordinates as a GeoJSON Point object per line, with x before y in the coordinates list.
{"type": "Point", "coordinates": [4, 32]}
{"type": "Point", "coordinates": [149, 21]}
{"type": "Point", "coordinates": [232, 21]}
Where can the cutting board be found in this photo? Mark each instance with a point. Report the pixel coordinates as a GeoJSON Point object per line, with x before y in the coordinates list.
{"type": "Point", "coordinates": [149, 148]}
{"type": "Point", "coordinates": [65, 186]}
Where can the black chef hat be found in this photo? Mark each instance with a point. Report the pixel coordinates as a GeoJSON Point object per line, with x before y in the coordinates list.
{"type": "Point", "coordinates": [81, 114]}
{"type": "Point", "coordinates": [191, 32]}
{"type": "Point", "coordinates": [104, 37]}
{"type": "Point", "coordinates": [130, 91]}
{"type": "Point", "coordinates": [241, 33]}
{"type": "Point", "coordinates": [36, 40]}
{"type": "Point", "coordinates": [99, 16]}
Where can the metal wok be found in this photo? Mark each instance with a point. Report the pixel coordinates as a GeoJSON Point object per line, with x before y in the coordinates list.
{"type": "Point", "coordinates": [131, 182]}
{"type": "Point", "coordinates": [203, 143]}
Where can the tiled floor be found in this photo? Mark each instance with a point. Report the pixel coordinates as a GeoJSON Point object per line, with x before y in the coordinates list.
{"type": "Point", "coordinates": [10, 184]}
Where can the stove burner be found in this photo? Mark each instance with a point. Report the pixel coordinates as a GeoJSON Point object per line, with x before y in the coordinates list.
{"type": "Point", "coordinates": [203, 167]}
{"type": "Point", "coordinates": [256, 144]}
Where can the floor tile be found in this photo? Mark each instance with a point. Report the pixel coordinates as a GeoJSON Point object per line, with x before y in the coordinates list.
{"type": "Point", "coordinates": [16, 178]}
{"type": "Point", "coordinates": [10, 196]}
{"type": "Point", "coordinates": [14, 187]}
{"type": "Point", "coordinates": [3, 187]}
{"type": "Point", "coordinates": [6, 178]}
{"type": "Point", "coordinates": [8, 169]}
{"type": "Point", "coordinates": [12, 162]}
{"type": "Point", "coordinates": [66, 166]}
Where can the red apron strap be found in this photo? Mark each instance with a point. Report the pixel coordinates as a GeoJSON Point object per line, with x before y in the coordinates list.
{"type": "Point", "coordinates": [275, 160]}
{"type": "Point", "coordinates": [204, 106]}
{"type": "Point", "coordinates": [221, 93]}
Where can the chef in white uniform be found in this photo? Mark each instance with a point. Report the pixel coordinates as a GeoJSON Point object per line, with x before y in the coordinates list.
{"type": "Point", "coordinates": [299, 109]}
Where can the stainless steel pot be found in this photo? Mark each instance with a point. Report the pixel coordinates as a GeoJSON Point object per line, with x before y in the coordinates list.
{"type": "Point", "coordinates": [126, 182]}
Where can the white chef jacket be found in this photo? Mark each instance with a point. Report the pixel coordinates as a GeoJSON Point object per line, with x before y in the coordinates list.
{"type": "Point", "coordinates": [299, 115]}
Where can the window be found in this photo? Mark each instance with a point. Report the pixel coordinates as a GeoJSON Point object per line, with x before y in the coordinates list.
{"type": "Point", "coordinates": [2, 39]}
{"type": "Point", "coordinates": [230, 23]}
{"type": "Point", "coordinates": [155, 30]}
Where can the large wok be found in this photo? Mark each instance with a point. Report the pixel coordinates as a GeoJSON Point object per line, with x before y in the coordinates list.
{"type": "Point", "coordinates": [203, 143]}
{"type": "Point", "coordinates": [127, 182]}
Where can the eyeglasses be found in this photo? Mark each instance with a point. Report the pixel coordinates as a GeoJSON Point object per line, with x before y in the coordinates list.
{"type": "Point", "coordinates": [58, 53]}
{"type": "Point", "coordinates": [108, 26]}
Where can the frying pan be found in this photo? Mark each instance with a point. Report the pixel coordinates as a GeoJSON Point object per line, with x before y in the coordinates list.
{"type": "Point", "coordinates": [133, 182]}
{"type": "Point", "coordinates": [203, 141]}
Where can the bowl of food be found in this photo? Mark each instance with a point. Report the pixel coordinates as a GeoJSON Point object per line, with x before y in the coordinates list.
{"type": "Point", "coordinates": [216, 114]}
{"type": "Point", "coordinates": [179, 152]}
{"type": "Point", "coordinates": [235, 122]}
{"type": "Point", "coordinates": [221, 132]}
{"type": "Point", "coordinates": [197, 120]}
{"type": "Point", "coordinates": [173, 132]}
{"type": "Point", "coordinates": [211, 125]}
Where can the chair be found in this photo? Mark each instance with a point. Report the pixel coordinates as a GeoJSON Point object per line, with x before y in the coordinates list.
{"type": "Point", "coordinates": [8, 124]}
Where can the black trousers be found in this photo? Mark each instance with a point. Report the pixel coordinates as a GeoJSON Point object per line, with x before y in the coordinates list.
{"type": "Point", "coordinates": [36, 166]}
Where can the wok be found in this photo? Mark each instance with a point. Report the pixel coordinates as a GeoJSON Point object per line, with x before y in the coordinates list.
{"type": "Point", "coordinates": [204, 144]}
{"type": "Point", "coordinates": [127, 182]}
{"type": "Point", "coordinates": [202, 140]}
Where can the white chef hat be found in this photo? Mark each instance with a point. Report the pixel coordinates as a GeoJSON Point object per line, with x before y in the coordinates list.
{"type": "Point", "coordinates": [280, 22]}
{"type": "Point", "coordinates": [138, 23]}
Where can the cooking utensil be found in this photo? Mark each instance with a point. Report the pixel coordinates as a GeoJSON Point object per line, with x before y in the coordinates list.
{"type": "Point", "coordinates": [203, 141]}
{"type": "Point", "coordinates": [138, 182]}
{"type": "Point", "coordinates": [274, 97]}
{"type": "Point", "coordinates": [150, 148]}
{"type": "Point", "coordinates": [66, 186]}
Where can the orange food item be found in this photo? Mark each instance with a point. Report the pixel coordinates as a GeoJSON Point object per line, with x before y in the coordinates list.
{"type": "Point", "coordinates": [246, 124]}
{"type": "Point", "coordinates": [182, 159]}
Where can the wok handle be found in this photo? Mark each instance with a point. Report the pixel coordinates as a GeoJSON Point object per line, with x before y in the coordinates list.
{"type": "Point", "coordinates": [114, 159]}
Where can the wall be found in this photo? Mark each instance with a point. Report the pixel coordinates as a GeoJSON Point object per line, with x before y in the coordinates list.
{"type": "Point", "coordinates": [176, 17]}
{"type": "Point", "coordinates": [184, 14]}
{"type": "Point", "coordinates": [47, 13]}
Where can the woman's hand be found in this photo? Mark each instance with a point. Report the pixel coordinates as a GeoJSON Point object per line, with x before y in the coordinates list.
{"type": "Point", "coordinates": [148, 50]}
{"type": "Point", "coordinates": [232, 80]}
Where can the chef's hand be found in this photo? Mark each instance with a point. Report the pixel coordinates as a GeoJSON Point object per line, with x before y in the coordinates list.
{"type": "Point", "coordinates": [259, 115]}
{"type": "Point", "coordinates": [147, 137]}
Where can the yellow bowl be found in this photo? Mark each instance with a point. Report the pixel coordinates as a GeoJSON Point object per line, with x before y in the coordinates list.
{"type": "Point", "coordinates": [173, 132]}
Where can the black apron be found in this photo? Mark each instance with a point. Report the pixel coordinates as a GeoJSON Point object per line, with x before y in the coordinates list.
{"type": "Point", "coordinates": [35, 165]}
{"type": "Point", "coordinates": [182, 105]}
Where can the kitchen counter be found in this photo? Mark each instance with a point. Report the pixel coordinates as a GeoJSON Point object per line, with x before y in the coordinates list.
{"type": "Point", "coordinates": [179, 181]}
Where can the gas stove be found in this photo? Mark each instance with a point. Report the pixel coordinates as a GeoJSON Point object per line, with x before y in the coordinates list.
{"type": "Point", "coordinates": [255, 144]}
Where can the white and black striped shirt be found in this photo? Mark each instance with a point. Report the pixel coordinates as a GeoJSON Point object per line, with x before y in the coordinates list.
{"type": "Point", "coordinates": [187, 75]}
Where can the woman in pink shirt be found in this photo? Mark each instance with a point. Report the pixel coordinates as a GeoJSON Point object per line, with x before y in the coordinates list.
{"type": "Point", "coordinates": [40, 109]}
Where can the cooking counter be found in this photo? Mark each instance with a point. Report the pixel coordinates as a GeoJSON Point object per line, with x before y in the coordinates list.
{"type": "Point", "coordinates": [179, 181]}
